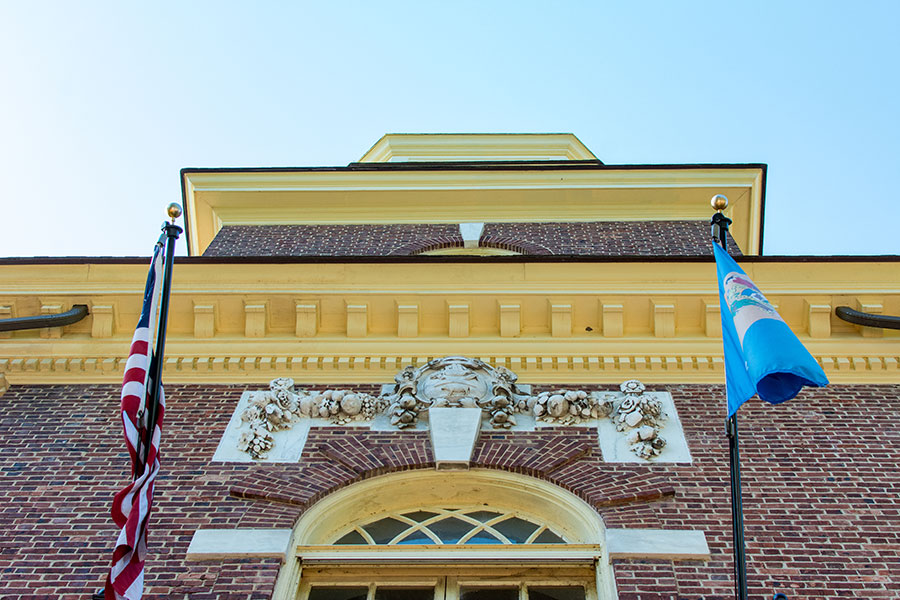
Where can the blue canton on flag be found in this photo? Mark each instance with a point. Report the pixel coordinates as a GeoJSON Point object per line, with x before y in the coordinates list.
{"type": "Point", "coordinates": [762, 354]}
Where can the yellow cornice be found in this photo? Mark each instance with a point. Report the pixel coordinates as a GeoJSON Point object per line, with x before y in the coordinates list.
{"type": "Point", "coordinates": [549, 322]}
{"type": "Point", "coordinates": [339, 196]}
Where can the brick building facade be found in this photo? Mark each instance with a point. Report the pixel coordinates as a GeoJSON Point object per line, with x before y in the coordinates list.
{"type": "Point", "coordinates": [320, 444]}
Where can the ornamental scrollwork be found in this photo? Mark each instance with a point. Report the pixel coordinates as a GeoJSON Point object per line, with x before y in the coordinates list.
{"type": "Point", "coordinates": [447, 383]}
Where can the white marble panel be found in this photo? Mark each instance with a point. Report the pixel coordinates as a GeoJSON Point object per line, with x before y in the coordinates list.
{"type": "Point", "coordinates": [615, 447]}
{"type": "Point", "coordinates": [288, 447]}
{"type": "Point", "coordinates": [672, 544]}
{"type": "Point", "coordinates": [218, 544]}
{"type": "Point", "coordinates": [453, 432]}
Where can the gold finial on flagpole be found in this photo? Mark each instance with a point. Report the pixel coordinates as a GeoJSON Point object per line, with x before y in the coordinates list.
{"type": "Point", "coordinates": [719, 202]}
{"type": "Point", "coordinates": [174, 210]}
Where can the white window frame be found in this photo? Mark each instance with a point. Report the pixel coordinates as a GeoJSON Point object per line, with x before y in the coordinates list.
{"type": "Point", "coordinates": [448, 582]}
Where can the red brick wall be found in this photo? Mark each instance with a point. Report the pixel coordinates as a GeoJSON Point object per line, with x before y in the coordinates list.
{"type": "Point", "coordinates": [331, 240]}
{"type": "Point", "coordinates": [822, 491]}
{"type": "Point", "coordinates": [607, 238]}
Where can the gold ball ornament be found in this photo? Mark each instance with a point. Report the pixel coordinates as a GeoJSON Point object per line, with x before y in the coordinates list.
{"type": "Point", "coordinates": [719, 202]}
{"type": "Point", "coordinates": [174, 210]}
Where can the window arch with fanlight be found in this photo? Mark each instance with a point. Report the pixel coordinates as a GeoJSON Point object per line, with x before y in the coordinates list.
{"type": "Point", "coordinates": [451, 526]}
{"type": "Point", "coordinates": [429, 535]}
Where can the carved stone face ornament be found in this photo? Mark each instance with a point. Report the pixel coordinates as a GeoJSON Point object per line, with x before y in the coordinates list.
{"type": "Point", "coordinates": [453, 385]}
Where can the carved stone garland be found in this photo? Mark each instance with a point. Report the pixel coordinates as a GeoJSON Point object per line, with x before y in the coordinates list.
{"type": "Point", "coordinates": [282, 405]}
{"type": "Point", "coordinates": [454, 382]}
{"type": "Point", "coordinates": [642, 417]}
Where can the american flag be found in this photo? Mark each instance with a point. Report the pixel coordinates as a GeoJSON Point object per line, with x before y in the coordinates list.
{"type": "Point", "coordinates": [131, 506]}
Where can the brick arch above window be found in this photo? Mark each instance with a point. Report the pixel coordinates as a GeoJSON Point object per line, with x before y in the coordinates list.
{"type": "Point", "coordinates": [427, 245]}
{"type": "Point", "coordinates": [435, 245]}
{"type": "Point", "coordinates": [512, 243]}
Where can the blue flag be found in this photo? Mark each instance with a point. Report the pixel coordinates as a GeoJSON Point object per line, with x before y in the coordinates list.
{"type": "Point", "coordinates": [762, 354]}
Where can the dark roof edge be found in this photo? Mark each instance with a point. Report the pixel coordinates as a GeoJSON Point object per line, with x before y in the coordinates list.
{"type": "Point", "coordinates": [762, 208]}
{"type": "Point", "coordinates": [419, 259]}
{"type": "Point", "coordinates": [574, 165]}
{"type": "Point", "coordinates": [185, 218]}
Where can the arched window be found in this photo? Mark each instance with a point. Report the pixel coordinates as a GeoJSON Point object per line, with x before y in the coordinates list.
{"type": "Point", "coordinates": [450, 526]}
{"type": "Point", "coordinates": [439, 535]}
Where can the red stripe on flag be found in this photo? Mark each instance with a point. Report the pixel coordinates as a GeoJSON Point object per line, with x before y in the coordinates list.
{"type": "Point", "coordinates": [131, 505]}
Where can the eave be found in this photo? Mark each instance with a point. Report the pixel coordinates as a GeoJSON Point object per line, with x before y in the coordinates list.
{"type": "Point", "coordinates": [571, 322]}
{"type": "Point", "coordinates": [456, 192]}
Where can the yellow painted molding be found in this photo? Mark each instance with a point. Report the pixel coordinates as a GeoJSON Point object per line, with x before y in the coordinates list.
{"type": "Point", "coordinates": [481, 554]}
{"type": "Point", "coordinates": [458, 319]}
{"type": "Point", "coordinates": [407, 320]}
{"type": "Point", "coordinates": [6, 312]}
{"type": "Point", "coordinates": [565, 322]}
{"type": "Point", "coordinates": [307, 318]}
{"type": "Point", "coordinates": [357, 319]}
{"type": "Point", "coordinates": [874, 306]}
{"type": "Point", "coordinates": [51, 308]}
{"type": "Point", "coordinates": [712, 318]}
{"type": "Point", "coordinates": [510, 320]}
{"type": "Point", "coordinates": [612, 319]}
{"type": "Point", "coordinates": [432, 147]}
{"type": "Point", "coordinates": [102, 320]}
{"type": "Point", "coordinates": [255, 318]}
{"type": "Point", "coordinates": [560, 319]}
{"type": "Point", "coordinates": [345, 196]}
{"type": "Point", "coordinates": [204, 319]}
{"type": "Point", "coordinates": [663, 317]}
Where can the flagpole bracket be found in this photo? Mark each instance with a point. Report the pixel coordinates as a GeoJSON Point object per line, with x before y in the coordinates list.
{"type": "Point", "coordinates": [720, 224]}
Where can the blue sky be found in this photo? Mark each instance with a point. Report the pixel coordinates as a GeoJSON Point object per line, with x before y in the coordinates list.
{"type": "Point", "coordinates": [104, 102]}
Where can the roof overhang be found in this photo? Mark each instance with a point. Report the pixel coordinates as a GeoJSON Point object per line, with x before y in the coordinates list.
{"type": "Point", "coordinates": [483, 192]}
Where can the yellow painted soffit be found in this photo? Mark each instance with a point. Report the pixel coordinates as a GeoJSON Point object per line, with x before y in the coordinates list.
{"type": "Point", "coordinates": [345, 196]}
{"type": "Point", "coordinates": [549, 322]}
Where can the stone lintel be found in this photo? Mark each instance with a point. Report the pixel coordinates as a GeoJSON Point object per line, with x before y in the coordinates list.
{"type": "Point", "coordinates": [670, 544]}
{"type": "Point", "coordinates": [220, 544]}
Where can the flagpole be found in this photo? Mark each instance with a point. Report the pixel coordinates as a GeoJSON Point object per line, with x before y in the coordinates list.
{"type": "Point", "coordinates": [171, 231]}
{"type": "Point", "coordinates": [720, 225]}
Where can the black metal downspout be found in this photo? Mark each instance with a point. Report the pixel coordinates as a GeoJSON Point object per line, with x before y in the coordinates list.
{"type": "Point", "coordinates": [75, 314]}
{"type": "Point", "coordinates": [856, 317]}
